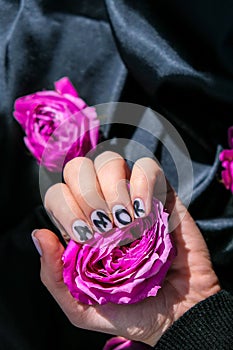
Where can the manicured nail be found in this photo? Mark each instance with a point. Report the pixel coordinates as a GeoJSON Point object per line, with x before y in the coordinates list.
{"type": "Point", "coordinates": [81, 231]}
{"type": "Point", "coordinates": [36, 242]}
{"type": "Point", "coordinates": [121, 215]}
{"type": "Point", "coordinates": [139, 208]}
{"type": "Point", "coordinates": [101, 221]}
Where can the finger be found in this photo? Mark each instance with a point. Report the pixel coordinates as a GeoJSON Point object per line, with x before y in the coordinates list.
{"type": "Point", "coordinates": [80, 176]}
{"type": "Point", "coordinates": [51, 253]}
{"type": "Point", "coordinates": [112, 171]}
{"type": "Point", "coordinates": [59, 226]}
{"type": "Point", "coordinates": [147, 180]}
{"type": "Point", "coordinates": [61, 205]}
{"type": "Point", "coordinates": [176, 209]}
{"type": "Point", "coordinates": [189, 242]}
{"type": "Point", "coordinates": [52, 274]}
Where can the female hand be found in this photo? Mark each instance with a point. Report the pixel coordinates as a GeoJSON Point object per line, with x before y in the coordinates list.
{"type": "Point", "coordinates": [95, 197]}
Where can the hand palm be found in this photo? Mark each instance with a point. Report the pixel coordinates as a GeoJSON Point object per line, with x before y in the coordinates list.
{"type": "Point", "coordinates": [189, 280]}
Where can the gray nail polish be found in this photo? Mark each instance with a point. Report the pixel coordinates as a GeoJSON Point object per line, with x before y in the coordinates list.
{"type": "Point", "coordinates": [121, 215]}
{"type": "Point", "coordinates": [36, 242]}
{"type": "Point", "coordinates": [81, 231]}
{"type": "Point", "coordinates": [139, 208]}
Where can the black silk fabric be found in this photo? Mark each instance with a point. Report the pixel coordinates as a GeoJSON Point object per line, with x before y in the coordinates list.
{"type": "Point", "coordinates": [175, 57]}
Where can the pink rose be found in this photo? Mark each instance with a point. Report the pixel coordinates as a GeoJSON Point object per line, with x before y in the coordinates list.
{"type": "Point", "coordinates": [119, 343]}
{"type": "Point", "coordinates": [122, 265]}
{"type": "Point", "coordinates": [226, 157]}
{"type": "Point", "coordinates": [230, 137]}
{"type": "Point", "coordinates": [58, 124]}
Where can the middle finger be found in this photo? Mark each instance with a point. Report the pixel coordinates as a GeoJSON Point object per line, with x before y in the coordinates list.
{"type": "Point", "coordinates": [80, 176]}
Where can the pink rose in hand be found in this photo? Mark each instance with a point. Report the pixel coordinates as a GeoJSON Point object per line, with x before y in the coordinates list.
{"type": "Point", "coordinates": [122, 265]}
{"type": "Point", "coordinates": [58, 124]}
{"type": "Point", "coordinates": [226, 157]}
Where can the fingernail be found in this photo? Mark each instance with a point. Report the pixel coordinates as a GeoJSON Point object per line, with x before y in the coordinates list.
{"type": "Point", "coordinates": [121, 215]}
{"type": "Point", "coordinates": [81, 231]}
{"type": "Point", "coordinates": [139, 208]}
{"type": "Point", "coordinates": [36, 242]}
{"type": "Point", "coordinates": [101, 221]}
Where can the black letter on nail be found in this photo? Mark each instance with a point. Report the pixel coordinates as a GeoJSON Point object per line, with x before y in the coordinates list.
{"type": "Point", "coordinates": [137, 208]}
{"type": "Point", "coordinates": [122, 220]}
{"type": "Point", "coordinates": [83, 232]}
{"type": "Point", "coordinates": [103, 221]}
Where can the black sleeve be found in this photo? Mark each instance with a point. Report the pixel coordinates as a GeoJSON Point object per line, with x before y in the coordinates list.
{"type": "Point", "coordinates": [208, 325]}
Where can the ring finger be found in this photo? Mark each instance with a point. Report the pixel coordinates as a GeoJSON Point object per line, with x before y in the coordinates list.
{"type": "Point", "coordinates": [113, 172]}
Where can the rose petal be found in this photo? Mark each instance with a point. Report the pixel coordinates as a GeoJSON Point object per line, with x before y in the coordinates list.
{"type": "Point", "coordinates": [230, 137]}
{"type": "Point", "coordinates": [119, 343]}
{"type": "Point", "coordinates": [226, 157]}
{"type": "Point", "coordinates": [64, 86]}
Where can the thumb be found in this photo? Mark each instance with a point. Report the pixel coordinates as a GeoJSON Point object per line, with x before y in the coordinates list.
{"type": "Point", "coordinates": [51, 251]}
{"type": "Point", "coordinates": [51, 274]}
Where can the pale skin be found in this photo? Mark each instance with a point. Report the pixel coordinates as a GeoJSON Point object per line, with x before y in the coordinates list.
{"type": "Point", "coordinates": [190, 279]}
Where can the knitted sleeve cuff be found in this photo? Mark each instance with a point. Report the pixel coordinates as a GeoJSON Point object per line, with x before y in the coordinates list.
{"type": "Point", "coordinates": [207, 325]}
